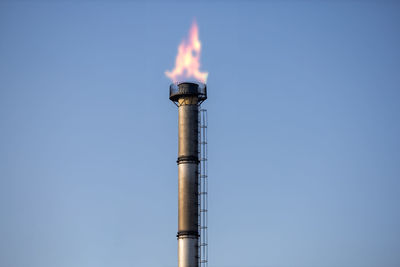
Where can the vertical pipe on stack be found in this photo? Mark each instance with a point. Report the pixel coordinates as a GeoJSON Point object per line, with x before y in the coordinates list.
{"type": "Point", "coordinates": [188, 183]}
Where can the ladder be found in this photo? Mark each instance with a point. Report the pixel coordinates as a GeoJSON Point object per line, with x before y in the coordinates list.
{"type": "Point", "coordinates": [203, 189]}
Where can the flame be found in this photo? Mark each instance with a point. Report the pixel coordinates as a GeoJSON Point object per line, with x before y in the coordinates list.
{"type": "Point", "coordinates": [187, 62]}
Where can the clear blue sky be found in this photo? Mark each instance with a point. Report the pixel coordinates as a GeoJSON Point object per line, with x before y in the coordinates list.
{"type": "Point", "coordinates": [304, 127]}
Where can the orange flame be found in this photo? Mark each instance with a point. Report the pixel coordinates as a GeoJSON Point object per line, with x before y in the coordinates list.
{"type": "Point", "coordinates": [187, 62]}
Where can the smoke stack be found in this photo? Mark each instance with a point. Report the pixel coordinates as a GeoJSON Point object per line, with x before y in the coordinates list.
{"type": "Point", "coordinates": [188, 97]}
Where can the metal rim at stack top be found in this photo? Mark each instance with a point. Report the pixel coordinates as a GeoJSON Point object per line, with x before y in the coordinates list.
{"type": "Point", "coordinates": [184, 89]}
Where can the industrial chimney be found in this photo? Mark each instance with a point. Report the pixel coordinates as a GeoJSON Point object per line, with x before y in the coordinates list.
{"type": "Point", "coordinates": [188, 97]}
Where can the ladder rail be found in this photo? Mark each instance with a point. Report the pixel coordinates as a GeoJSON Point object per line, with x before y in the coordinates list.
{"type": "Point", "coordinates": [203, 189]}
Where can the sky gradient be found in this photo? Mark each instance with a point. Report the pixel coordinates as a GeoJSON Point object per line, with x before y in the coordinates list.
{"type": "Point", "coordinates": [304, 148]}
